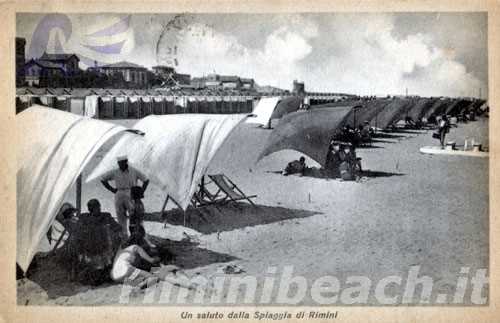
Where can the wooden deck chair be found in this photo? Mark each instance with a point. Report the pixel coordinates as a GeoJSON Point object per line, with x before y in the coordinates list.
{"type": "Point", "coordinates": [201, 199]}
{"type": "Point", "coordinates": [229, 189]}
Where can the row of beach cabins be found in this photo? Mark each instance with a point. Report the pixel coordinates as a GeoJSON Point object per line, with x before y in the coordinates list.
{"type": "Point", "coordinates": [123, 104]}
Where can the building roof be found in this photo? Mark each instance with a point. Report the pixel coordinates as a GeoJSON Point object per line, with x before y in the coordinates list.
{"type": "Point", "coordinates": [57, 57]}
{"type": "Point", "coordinates": [229, 78]}
{"type": "Point", "coordinates": [125, 65]}
{"type": "Point", "coordinates": [163, 67]}
{"type": "Point", "coordinates": [246, 80]}
{"type": "Point", "coordinates": [44, 64]}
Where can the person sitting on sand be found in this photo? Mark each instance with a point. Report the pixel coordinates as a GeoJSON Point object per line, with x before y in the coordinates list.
{"type": "Point", "coordinates": [133, 266]}
{"type": "Point", "coordinates": [350, 166]}
{"type": "Point", "coordinates": [409, 122]}
{"type": "Point", "coordinates": [125, 266]}
{"type": "Point", "coordinates": [296, 167]}
{"type": "Point", "coordinates": [333, 160]}
{"type": "Point", "coordinates": [99, 237]}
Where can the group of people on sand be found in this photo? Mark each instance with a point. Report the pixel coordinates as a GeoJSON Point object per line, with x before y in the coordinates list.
{"type": "Point", "coordinates": [100, 248]}
{"type": "Point", "coordinates": [341, 162]}
{"type": "Point", "coordinates": [355, 136]}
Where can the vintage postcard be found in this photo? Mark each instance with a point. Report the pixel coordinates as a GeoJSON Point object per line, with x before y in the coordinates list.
{"type": "Point", "coordinates": [253, 164]}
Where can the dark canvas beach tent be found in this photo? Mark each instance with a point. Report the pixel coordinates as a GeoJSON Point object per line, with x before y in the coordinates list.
{"type": "Point", "coordinates": [286, 105]}
{"type": "Point", "coordinates": [53, 147]}
{"type": "Point", "coordinates": [175, 151]}
{"type": "Point", "coordinates": [421, 105]}
{"type": "Point", "coordinates": [391, 113]}
{"type": "Point", "coordinates": [438, 107]}
{"type": "Point", "coordinates": [367, 111]}
{"type": "Point", "coordinates": [457, 108]}
{"type": "Point", "coordinates": [363, 110]}
{"type": "Point", "coordinates": [308, 132]}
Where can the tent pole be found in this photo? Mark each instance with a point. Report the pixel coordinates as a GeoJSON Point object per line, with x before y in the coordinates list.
{"type": "Point", "coordinates": [79, 194]}
{"type": "Point", "coordinates": [163, 210]}
{"type": "Point", "coordinates": [164, 205]}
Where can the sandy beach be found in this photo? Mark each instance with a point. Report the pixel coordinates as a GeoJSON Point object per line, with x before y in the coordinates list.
{"type": "Point", "coordinates": [410, 209]}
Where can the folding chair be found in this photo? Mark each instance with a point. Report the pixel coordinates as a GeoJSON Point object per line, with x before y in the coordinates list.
{"type": "Point", "coordinates": [201, 199]}
{"type": "Point", "coordinates": [231, 190]}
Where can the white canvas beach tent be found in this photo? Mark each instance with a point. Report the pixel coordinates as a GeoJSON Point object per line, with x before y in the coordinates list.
{"type": "Point", "coordinates": [53, 148]}
{"type": "Point", "coordinates": [264, 110]}
{"type": "Point", "coordinates": [175, 152]}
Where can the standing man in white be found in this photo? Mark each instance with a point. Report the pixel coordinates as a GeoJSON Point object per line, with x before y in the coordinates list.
{"type": "Point", "coordinates": [124, 177]}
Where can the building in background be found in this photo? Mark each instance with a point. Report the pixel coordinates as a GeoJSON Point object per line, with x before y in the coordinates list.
{"type": "Point", "coordinates": [216, 81]}
{"type": "Point", "coordinates": [51, 70]}
{"type": "Point", "coordinates": [298, 88]}
{"type": "Point", "coordinates": [247, 83]}
{"type": "Point", "coordinates": [163, 71]}
{"type": "Point", "coordinates": [20, 60]}
{"type": "Point", "coordinates": [40, 73]}
{"type": "Point", "coordinates": [230, 82]}
{"type": "Point", "coordinates": [125, 74]}
{"type": "Point", "coordinates": [167, 76]}
{"type": "Point", "coordinates": [68, 62]}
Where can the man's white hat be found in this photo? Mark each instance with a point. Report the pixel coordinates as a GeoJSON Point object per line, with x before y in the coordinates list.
{"type": "Point", "coordinates": [121, 158]}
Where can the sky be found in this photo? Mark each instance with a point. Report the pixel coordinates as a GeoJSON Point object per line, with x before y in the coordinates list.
{"type": "Point", "coordinates": [430, 54]}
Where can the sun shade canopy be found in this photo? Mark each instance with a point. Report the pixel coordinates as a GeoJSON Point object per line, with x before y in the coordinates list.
{"type": "Point", "coordinates": [420, 107]}
{"type": "Point", "coordinates": [175, 151]}
{"type": "Point", "coordinates": [263, 111]}
{"type": "Point", "coordinates": [391, 113]}
{"type": "Point", "coordinates": [308, 132]}
{"type": "Point", "coordinates": [286, 105]}
{"type": "Point", "coordinates": [437, 108]}
{"type": "Point", "coordinates": [53, 148]}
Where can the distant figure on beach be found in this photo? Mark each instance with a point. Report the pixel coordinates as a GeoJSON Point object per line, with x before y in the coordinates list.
{"type": "Point", "coordinates": [443, 129]}
{"type": "Point", "coordinates": [296, 167]}
{"type": "Point", "coordinates": [125, 177]}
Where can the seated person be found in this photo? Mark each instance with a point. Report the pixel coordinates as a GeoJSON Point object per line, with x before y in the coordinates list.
{"type": "Point", "coordinates": [350, 165]}
{"type": "Point", "coordinates": [409, 122]}
{"type": "Point", "coordinates": [98, 238]}
{"type": "Point", "coordinates": [132, 266]}
{"type": "Point", "coordinates": [296, 167]}
{"type": "Point", "coordinates": [126, 266]}
{"type": "Point", "coordinates": [66, 217]}
{"type": "Point", "coordinates": [333, 161]}
{"type": "Point", "coordinates": [366, 132]}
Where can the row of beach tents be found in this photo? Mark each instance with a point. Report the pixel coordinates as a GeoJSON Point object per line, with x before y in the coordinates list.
{"type": "Point", "coordinates": [309, 131]}
{"type": "Point", "coordinates": [174, 150]}
{"type": "Point", "coordinates": [381, 113]}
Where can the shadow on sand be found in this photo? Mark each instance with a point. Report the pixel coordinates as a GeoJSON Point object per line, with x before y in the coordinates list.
{"type": "Point", "coordinates": [51, 272]}
{"type": "Point", "coordinates": [386, 135]}
{"type": "Point", "coordinates": [373, 173]}
{"type": "Point", "coordinates": [227, 217]}
{"type": "Point", "coordinates": [371, 146]}
{"type": "Point", "coordinates": [315, 172]}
